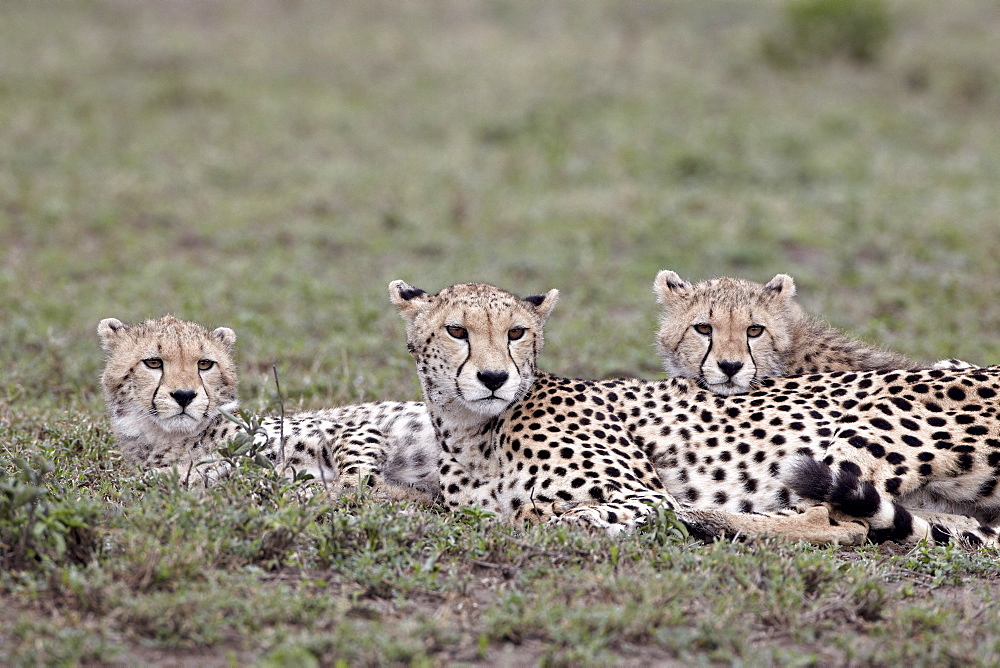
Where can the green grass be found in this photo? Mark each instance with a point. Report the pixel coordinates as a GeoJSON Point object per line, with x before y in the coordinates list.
{"type": "Point", "coordinates": [271, 166]}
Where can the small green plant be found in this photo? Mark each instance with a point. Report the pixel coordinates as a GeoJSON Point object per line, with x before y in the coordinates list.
{"type": "Point", "coordinates": [946, 564]}
{"type": "Point", "coordinates": [248, 447]}
{"type": "Point", "coordinates": [822, 30]}
{"type": "Point", "coordinates": [38, 525]}
{"type": "Point", "coordinates": [244, 445]}
{"type": "Point", "coordinates": [663, 527]}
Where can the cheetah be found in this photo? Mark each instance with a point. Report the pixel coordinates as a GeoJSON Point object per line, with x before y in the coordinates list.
{"type": "Point", "coordinates": [168, 384]}
{"type": "Point", "coordinates": [475, 348]}
{"type": "Point", "coordinates": [528, 445]}
{"type": "Point", "coordinates": [728, 333]}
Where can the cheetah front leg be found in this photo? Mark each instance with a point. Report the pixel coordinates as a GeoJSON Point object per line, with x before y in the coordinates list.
{"type": "Point", "coordinates": [813, 525]}
{"type": "Point", "coordinates": [613, 517]}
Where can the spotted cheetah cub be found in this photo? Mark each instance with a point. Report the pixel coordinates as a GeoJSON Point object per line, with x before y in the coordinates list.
{"type": "Point", "coordinates": [167, 383]}
{"type": "Point", "coordinates": [729, 333]}
{"type": "Point", "coordinates": [529, 445]}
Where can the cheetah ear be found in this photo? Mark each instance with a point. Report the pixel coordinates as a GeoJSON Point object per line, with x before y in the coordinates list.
{"type": "Point", "coordinates": [409, 300]}
{"type": "Point", "coordinates": [543, 304]}
{"type": "Point", "coordinates": [670, 288]}
{"type": "Point", "coordinates": [225, 336]}
{"type": "Point", "coordinates": [781, 284]}
{"type": "Point", "coordinates": [108, 329]}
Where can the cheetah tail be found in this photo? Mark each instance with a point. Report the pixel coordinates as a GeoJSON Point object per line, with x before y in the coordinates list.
{"type": "Point", "coordinates": [847, 493]}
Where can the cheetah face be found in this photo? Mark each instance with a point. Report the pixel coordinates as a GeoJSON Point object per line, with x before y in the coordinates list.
{"type": "Point", "coordinates": [726, 333]}
{"type": "Point", "coordinates": [166, 376]}
{"type": "Point", "coordinates": [475, 345]}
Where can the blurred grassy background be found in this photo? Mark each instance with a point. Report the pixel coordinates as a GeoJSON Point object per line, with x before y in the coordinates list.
{"type": "Point", "coordinates": [272, 165]}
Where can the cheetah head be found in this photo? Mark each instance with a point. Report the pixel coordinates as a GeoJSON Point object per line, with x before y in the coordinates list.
{"type": "Point", "coordinates": [475, 345]}
{"type": "Point", "coordinates": [166, 376]}
{"type": "Point", "coordinates": [727, 333]}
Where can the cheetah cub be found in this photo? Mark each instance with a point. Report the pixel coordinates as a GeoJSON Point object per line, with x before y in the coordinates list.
{"type": "Point", "coordinates": [729, 333]}
{"type": "Point", "coordinates": [533, 447]}
{"type": "Point", "coordinates": [168, 381]}
{"type": "Point", "coordinates": [528, 445]}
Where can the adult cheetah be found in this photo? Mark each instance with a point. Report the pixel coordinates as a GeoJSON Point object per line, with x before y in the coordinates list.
{"type": "Point", "coordinates": [167, 383]}
{"type": "Point", "coordinates": [566, 472]}
{"type": "Point", "coordinates": [529, 445]}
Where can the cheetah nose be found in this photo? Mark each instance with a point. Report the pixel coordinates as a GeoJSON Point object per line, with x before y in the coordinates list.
{"type": "Point", "coordinates": [492, 379]}
{"type": "Point", "coordinates": [730, 368]}
{"type": "Point", "coordinates": [183, 397]}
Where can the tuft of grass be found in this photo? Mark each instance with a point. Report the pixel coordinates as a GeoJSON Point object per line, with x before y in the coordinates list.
{"type": "Point", "coordinates": [40, 523]}
{"type": "Point", "coordinates": [821, 30]}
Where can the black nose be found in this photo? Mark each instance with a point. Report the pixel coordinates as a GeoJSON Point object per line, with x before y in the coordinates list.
{"type": "Point", "coordinates": [183, 397]}
{"type": "Point", "coordinates": [492, 379]}
{"type": "Point", "coordinates": [730, 368]}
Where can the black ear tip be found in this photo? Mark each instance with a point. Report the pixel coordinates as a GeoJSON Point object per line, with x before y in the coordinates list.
{"type": "Point", "coordinates": [535, 299]}
{"type": "Point", "coordinates": [410, 292]}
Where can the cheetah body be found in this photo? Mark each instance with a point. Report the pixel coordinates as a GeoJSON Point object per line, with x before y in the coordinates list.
{"type": "Point", "coordinates": [167, 383]}
{"type": "Point", "coordinates": [536, 446]}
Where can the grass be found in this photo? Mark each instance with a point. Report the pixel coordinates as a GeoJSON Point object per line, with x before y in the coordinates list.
{"type": "Point", "coordinates": [272, 166]}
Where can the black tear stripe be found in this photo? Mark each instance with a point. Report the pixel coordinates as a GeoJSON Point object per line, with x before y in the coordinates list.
{"type": "Point", "coordinates": [468, 356]}
{"type": "Point", "coordinates": [510, 354]}
{"type": "Point", "coordinates": [750, 350]}
{"type": "Point", "coordinates": [208, 396]}
{"type": "Point", "coordinates": [152, 400]}
{"type": "Point", "coordinates": [701, 366]}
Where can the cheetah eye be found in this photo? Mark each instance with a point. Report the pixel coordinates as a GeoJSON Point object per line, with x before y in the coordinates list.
{"type": "Point", "coordinates": [514, 333]}
{"type": "Point", "coordinates": [753, 331]}
{"type": "Point", "coordinates": [205, 365]}
{"type": "Point", "coordinates": [703, 328]}
{"type": "Point", "coordinates": [153, 363]}
{"type": "Point", "coordinates": [457, 332]}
